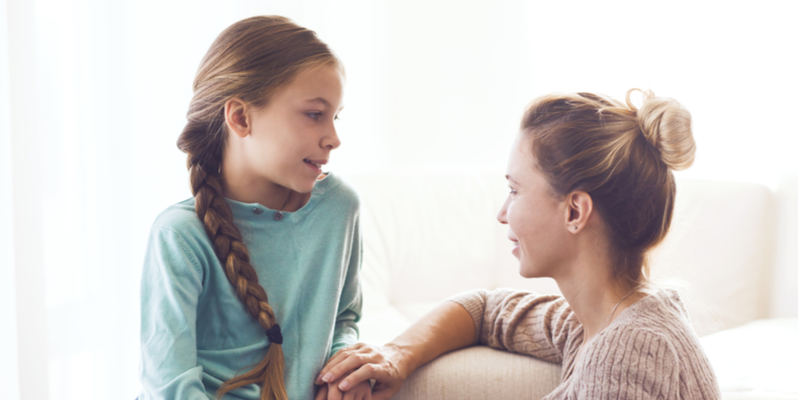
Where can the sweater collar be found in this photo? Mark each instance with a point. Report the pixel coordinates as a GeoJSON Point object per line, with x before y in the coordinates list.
{"type": "Point", "coordinates": [258, 212]}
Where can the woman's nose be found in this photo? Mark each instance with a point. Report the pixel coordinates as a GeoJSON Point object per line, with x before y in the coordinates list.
{"type": "Point", "coordinates": [501, 215]}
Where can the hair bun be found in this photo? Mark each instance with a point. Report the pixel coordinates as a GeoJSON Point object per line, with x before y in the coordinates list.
{"type": "Point", "coordinates": [666, 125]}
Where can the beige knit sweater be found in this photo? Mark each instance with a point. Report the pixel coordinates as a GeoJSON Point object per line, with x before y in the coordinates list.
{"type": "Point", "coordinates": [648, 352]}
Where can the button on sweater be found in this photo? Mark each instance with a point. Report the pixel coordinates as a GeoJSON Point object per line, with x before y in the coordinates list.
{"type": "Point", "coordinates": [648, 352]}
{"type": "Point", "coordinates": [196, 333]}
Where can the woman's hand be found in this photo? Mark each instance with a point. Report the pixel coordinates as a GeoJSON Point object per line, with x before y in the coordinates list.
{"type": "Point", "coordinates": [448, 327]}
{"type": "Point", "coordinates": [382, 363]}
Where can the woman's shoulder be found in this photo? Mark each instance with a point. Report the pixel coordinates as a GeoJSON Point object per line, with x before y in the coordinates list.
{"type": "Point", "coordinates": [654, 340]}
{"type": "Point", "coordinates": [660, 318]}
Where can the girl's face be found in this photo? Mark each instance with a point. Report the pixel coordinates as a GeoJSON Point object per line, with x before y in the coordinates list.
{"type": "Point", "coordinates": [536, 219]}
{"type": "Point", "coordinates": [293, 135]}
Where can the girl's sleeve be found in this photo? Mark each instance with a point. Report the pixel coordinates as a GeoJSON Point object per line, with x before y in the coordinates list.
{"type": "Point", "coordinates": [520, 322]}
{"type": "Point", "coordinates": [345, 331]}
{"type": "Point", "coordinates": [171, 285]}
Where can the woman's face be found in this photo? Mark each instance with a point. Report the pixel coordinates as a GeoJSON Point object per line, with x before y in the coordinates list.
{"type": "Point", "coordinates": [536, 218]}
{"type": "Point", "coordinates": [294, 133]}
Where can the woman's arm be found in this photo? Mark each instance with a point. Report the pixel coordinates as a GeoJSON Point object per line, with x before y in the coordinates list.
{"type": "Point", "coordinates": [516, 321]}
{"type": "Point", "coordinates": [448, 327]}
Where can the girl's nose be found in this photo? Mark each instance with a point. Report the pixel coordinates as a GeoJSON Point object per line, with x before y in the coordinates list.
{"type": "Point", "coordinates": [331, 141]}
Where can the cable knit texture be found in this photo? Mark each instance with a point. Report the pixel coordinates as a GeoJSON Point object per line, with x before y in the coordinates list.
{"type": "Point", "coordinates": [648, 352]}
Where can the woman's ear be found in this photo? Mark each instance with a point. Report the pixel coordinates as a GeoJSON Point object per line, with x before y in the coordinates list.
{"type": "Point", "coordinates": [237, 117]}
{"type": "Point", "coordinates": [579, 208]}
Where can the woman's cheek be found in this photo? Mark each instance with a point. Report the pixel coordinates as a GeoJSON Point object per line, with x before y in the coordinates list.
{"type": "Point", "coordinates": [513, 218]}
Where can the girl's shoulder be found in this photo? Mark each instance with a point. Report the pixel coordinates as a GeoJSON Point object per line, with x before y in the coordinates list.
{"type": "Point", "coordinates": [181, 219]}
{"type": "Point", "coordinates": [338, 190]}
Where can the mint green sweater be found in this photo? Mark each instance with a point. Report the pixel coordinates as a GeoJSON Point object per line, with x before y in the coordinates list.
{"type": "Point", "coordinates": [195, 332]}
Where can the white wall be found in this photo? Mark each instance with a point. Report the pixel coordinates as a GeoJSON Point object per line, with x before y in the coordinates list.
{"type": "Point", "coordinates": [9, 378]}
{"type": "Point", "coordinates": [784, 301]}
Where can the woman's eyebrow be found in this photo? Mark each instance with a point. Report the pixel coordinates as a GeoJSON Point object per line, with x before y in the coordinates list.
{"type": "Point", "coordinates": [509, 178]}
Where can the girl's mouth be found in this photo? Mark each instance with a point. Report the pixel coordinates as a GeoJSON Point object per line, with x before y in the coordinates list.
{"type": "Point", "coordinates": [314, 163]}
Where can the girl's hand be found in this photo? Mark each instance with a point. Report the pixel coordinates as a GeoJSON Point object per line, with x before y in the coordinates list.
{"type": "Point", "coordinates": [382, 363]}
{"type": "Point", "coordinates": [322, 393]}
{"type": "Point", "coordinates": [361, 391]}
{"type": "Point", "coordinates": [330, 391]}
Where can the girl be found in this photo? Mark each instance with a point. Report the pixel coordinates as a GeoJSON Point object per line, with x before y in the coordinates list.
{"type": "Point", "coordinates": [264, 220]}
{"type": "Point", "coordinates": [591, 192]}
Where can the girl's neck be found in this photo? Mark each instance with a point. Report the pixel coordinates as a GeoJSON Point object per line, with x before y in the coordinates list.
{"type": "Point", "coordinates": [239, 185]}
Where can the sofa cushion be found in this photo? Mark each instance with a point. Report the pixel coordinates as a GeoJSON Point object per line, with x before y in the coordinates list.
{"type": "Point", "coordinates": [758, 360]}
{"type": "Point", "coordinates": [481, 373]}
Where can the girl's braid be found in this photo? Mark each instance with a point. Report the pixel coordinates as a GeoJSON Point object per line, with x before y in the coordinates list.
{"type": "Point", "coordinates": [250, 60]}
{"type": "Point", "coordinates": [218, 222]}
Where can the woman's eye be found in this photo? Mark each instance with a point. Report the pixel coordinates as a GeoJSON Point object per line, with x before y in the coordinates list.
{"type": "Point", "coordinates": [513, 192]}
{"type": "Point", "coordinates": [314, 115]}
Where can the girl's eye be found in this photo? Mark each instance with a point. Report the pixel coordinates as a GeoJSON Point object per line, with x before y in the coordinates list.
{"type": "Point", "coordinates": [314, 115]}
{"type": "Point", "coordinates": [336, 118]}
{"type": "Point", "coordinates": [513, 192]}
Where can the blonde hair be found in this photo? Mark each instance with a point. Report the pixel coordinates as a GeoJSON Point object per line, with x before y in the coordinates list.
{"type": "Point", "coordinates": [249, 60]}
{"type": "Point", "coordinates": [622, 156]}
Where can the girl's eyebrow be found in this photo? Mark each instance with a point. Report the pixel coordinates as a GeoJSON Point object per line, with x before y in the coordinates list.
{"type": "Point", "coordinates": [319, 100]}
{"type": "Point", "coordinates": [323, 101]}
{"type": "Point", "coordinates": [509, 178]}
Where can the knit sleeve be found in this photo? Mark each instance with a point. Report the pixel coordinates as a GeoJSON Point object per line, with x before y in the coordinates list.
{"type": "Point", "coordinates": [172, 281]}
{"type": "Point", "coordinates": [345, 331]}
{"type": "Point", "coordinates": [520, 322]}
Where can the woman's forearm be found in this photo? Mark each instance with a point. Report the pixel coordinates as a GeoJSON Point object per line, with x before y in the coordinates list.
{"type": "Point", "coordinates": [446, 328]}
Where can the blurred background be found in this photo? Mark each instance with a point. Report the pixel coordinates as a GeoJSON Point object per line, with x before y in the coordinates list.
{"type": "Point", "coordinates": [93, 95]}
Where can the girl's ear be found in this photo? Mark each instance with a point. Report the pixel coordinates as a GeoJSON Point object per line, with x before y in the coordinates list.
{"type": "Point", "coordinates": [236, 117]}
{"type": "Point", "coordinates": [579, 208]}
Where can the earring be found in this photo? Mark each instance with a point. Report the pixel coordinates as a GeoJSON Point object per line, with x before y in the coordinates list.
{"type": "Point", "coordinates": [575, 227]}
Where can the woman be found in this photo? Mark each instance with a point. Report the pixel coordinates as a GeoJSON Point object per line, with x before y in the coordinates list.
{"type": "Point", "coordinates": [591, 193]}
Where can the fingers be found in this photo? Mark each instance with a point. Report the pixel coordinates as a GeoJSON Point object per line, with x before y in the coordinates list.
{"type": "Point", "coordinates": [351, 395]}
{"type": "Point", "coordinates": [335, 360]}
{"type": "Point", "coordinates": [334, 393]}
{"type": "Point", "coordinates": [363, 374]}
{"type": "Point", "coordinates": [322, 393]}
{"type": "Point", "coordinates": [360, 392]}
{"type": "Point", "coordinates": [349, 362]}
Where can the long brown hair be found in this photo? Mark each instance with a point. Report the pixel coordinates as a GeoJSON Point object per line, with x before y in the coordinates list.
{"type": "Point", "coordinates": [622, 157]}
{"type": "Point", "coordinates": [249, 60]}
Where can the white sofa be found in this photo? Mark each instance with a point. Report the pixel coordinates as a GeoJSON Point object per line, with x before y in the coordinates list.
{"type": "Point", "coordinates": [431, 234]}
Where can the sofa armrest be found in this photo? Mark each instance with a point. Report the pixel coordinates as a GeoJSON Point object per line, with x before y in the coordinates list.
{"type": "Point", "coordinates": [480, 372]}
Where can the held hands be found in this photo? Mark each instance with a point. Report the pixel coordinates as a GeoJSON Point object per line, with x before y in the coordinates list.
{"type": "Point", "coordinates": [382, 363]}
{"type": "Point", "coordinates": [331, 391]}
